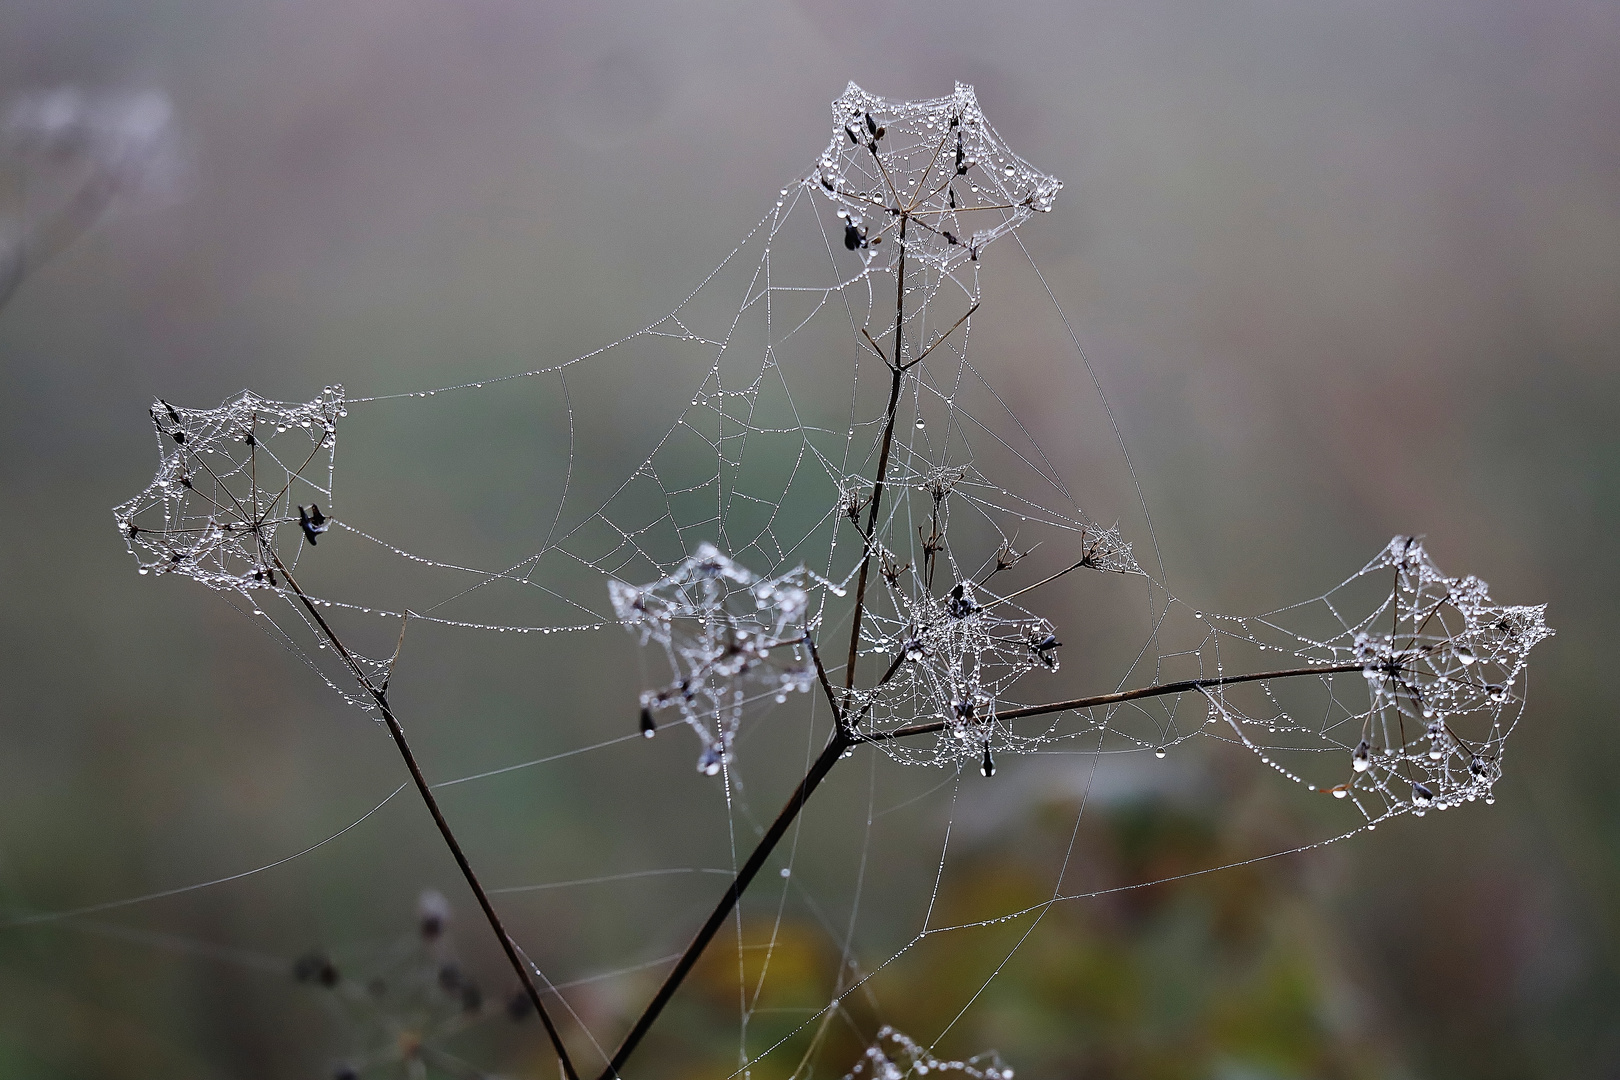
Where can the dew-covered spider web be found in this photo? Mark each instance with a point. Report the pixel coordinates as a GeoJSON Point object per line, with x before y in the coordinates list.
{"type": "Point", "coordinates": [819, 515]}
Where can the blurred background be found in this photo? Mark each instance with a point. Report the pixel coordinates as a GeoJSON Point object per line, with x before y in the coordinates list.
{"type": "Point", "coordinates": [1345, 271]}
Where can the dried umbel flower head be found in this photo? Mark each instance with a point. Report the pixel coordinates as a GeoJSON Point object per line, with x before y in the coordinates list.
{"type": "Point", "coordinates": [1445, 679]}
{"type": "Point", "coordinates": [1442, 670]}
{"type": "Point", "coordinates": [727, 633]}
{"type": "Point", "coordinates": [939, 162]}
{"type": "Point", "coordinates": [228, 481]}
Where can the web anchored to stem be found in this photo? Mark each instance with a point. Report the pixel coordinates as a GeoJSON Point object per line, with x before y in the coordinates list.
{"type": "Point", "coordinates": [907, 567]}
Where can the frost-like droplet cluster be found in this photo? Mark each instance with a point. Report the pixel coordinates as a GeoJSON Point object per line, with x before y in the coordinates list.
{"type": "Point", "coordinates": [729, 636]}
{"type": "Point", "coordinates": [228, 481]}
{"type": "Point", "coordinates": [962, 648]}
{"type": "Point", "coordinates": [896, 1056]}
{"type": "Point", "coordinates": [940, 162]}
{"type": "Point", "coordinates": [1445, 669]}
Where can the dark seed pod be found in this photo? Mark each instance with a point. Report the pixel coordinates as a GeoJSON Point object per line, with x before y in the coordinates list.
{"type": "Point", "coordinates": [316, 967]}
{"type": "Point", "coordinates": [432, 914]}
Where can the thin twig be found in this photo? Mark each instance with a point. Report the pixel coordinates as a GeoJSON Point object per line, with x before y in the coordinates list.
{"type": "Point", "coordinates": [875, 346]}
{"type": "Point", "coordinates": [844, 737]}
{"type": "Point", "coordinates": [426, 792]}
{"type": "Point", "coordinates": [883, 458]}
{"type": "Point", "coordinates": [840, 742]}
{"type": "Point", "coordinates": [1157, 690]}
{"type": "Point", "coordinates": [919, 357]}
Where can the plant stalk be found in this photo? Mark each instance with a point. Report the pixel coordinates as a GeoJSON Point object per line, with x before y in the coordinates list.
{"type": "Point", "coordinates": [1157, 690]}
{"type": "Point", "coordinates": [883, 459]}
{"type": "Point", "coordinates": [398, 732]}
{"type": "Point", "coordinates": [836, 747]}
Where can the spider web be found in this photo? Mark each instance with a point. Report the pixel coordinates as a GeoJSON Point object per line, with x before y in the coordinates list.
{"type": "Point", "coordinates": [844, 523]}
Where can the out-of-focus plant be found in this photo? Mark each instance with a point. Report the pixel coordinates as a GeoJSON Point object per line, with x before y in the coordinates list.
{"type": "Point", "coordinates": [70, 156]}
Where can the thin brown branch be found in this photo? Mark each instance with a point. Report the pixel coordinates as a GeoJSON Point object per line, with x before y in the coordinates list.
{"type": "Point", "coordinates": [1157, 690]}
{"type": "Point", "coordinates": [426, 791]}
{"type": "Point", "coordinates": [919, 357]}
{"type": "Point", "coordinates": [840, 742]}
{"type": "Point", "coordinates": [883, 459]}
{"type": "Point", "coordinates": [875, 346]}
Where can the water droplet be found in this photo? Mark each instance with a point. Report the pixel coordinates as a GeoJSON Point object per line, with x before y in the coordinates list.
{"type": "Point", "coordinates": [1362, 760]}
{"type": "Point", "coordinates": [1465, 655]}
{"type": "Point", "coordinates": [920, 424]}
{"type": "Point", "coordinates": [1159, 753]}
{"type": "Point", "coordinates": [1198, 614]}
{"type": "Point", "coordinates": [786, 872]}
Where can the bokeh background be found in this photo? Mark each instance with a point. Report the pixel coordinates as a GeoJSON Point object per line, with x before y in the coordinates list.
{"type": "Point", "coordinates": [1345, 270]}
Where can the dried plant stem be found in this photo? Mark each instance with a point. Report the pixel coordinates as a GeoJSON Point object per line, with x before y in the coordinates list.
{"type": "Point", "coordinates": [398, 732]}
{"type": "Point", "coordinates": [1156, 690]}
{"type": "Point", "coordinates": [845, 734]}
{"type": "Point", "coordinates": [844, 738]}
{"type": "Point", "coordinates": [835, 749]}
{"type": "Point", "coordinates": [899, 371]}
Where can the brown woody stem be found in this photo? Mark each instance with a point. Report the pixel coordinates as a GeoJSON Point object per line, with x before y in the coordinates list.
{"type": "Point", "coordinates": [1157, 690]}
{"type": "Point", "coordinates": [398, 732]}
